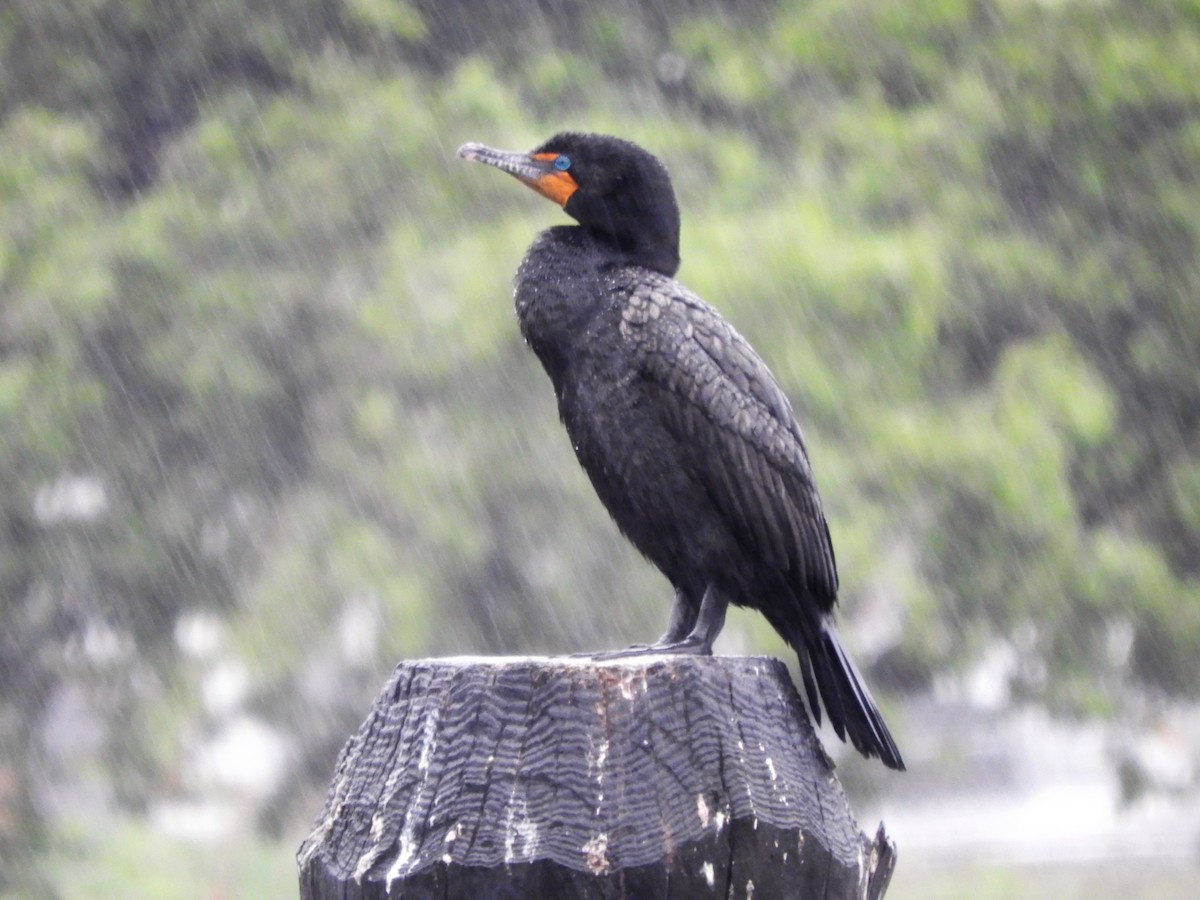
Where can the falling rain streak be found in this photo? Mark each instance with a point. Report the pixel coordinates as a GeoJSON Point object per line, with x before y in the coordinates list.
{"type": "Point", "coordinates": [269, 425]}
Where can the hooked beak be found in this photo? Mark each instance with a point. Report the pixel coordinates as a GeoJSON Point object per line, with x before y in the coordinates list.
{"type": "Point", "coordinates": [534, 169]}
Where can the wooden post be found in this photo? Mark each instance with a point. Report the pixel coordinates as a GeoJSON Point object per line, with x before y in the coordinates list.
{"type": "Point", "coordinates": [648, 777]}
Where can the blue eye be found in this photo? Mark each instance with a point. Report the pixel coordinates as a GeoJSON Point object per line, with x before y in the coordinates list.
{"type": "Point", "coordinates": [562, 163]}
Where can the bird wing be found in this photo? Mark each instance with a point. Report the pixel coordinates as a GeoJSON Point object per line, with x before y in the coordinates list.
{"type": "Point", "coordinates": [739, 433]}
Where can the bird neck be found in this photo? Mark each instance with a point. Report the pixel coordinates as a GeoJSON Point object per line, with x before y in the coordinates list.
{"type": "Point", "coordinates": [638, 225]}
{"type": "Point", "coordinates": [652, 250]}
{"type": "Point", "coordinates": [560, 289]}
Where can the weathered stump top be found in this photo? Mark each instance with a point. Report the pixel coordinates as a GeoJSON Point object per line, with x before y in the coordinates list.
{"type": "Point", "coordinates": [650, 776]}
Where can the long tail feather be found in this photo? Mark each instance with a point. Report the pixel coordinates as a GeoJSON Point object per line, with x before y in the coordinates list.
{"type": "Point", "coordinates": [852, 711]}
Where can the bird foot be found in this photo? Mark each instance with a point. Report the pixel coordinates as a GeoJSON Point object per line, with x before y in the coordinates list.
{"type": "Point", "coordinates": [631, 650]}
{"type": "Point", "coordinates": [689, 646]}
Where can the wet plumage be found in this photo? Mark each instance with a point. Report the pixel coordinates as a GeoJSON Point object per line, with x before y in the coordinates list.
{"type": "Point", "coordinates": [684, 433]}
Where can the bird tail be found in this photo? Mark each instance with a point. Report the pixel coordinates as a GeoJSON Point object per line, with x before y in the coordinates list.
{"type": "Point", "coordinates": [852, 711]}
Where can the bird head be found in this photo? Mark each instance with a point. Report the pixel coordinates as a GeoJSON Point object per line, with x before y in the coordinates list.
{"type": "Point", "coordinates": [607, 184]}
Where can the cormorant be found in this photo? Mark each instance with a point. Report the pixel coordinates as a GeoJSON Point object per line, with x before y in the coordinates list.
{"type": "Point", "coordinates": [686, 436]}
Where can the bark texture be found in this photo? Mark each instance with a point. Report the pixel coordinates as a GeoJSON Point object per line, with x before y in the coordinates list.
{"type": "Point", "coordinates": [649, 777]}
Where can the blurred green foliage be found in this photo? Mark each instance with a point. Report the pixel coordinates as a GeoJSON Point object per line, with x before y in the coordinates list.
{"type": "Point", "coordinates": [246, 286]}
{"type": "Point", "coordinates": [132, 859]}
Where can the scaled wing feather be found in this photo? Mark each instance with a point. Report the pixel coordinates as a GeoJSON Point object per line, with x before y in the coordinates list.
{"type": "Point", "coordinates": [717, 394]}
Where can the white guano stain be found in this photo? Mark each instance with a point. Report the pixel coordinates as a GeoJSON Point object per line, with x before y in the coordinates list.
{"type": "Point", "coordinates": [630, 683]}
{"type": "Point", "coordinates": [408, 850]}
{"type": "Point", "coordinates": [519, 830]}
{"type": "Point", "coordinates": [595, 854]}
{"type": "Point", "coordinates": [771, 769]}
{"type": "Point", "coordinates": [709, 875]}
{"type": "Point", "coordinates": [428, 741]}
{"type": "Point", "coordinates": [702, 810]}
{"type": "Point", "coordinates": [596, 763]}
{"type": "Point", "coordinates": [527, 831]}
{"type": "Point", "coordinates": [378, 846]}
{"type": "Point", "coordinates": [364, 863]}
{"type": "Point", "coordinates": [452, 835]}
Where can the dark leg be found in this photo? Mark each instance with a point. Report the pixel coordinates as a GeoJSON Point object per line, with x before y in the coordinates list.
{"type": "Point", "coordinates": [681, 620]}
{"type": "Point", "coordinates": [708, 621]}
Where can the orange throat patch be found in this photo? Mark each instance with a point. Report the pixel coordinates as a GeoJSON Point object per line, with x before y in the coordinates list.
{"type": "Point", "coordinates": [554, 185]}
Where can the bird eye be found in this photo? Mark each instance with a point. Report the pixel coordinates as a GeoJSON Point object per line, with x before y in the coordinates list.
{"type": "Point", "coordinates": [562, 163]}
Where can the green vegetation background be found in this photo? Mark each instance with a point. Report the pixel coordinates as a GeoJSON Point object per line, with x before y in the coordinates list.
{"type": "Point", "coordinates": [245, 283]}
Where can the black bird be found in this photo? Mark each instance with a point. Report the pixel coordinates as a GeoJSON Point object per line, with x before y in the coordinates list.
{"type": "Point", "coordinates": [683, 431]}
